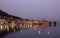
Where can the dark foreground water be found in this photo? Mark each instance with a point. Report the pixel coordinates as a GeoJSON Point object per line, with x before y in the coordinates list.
{"type": "Point", "coordinates": [48, 32]}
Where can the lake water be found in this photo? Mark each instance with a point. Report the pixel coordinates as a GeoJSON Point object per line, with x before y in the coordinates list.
{"type": "Point", "coordinates": [48, 32]}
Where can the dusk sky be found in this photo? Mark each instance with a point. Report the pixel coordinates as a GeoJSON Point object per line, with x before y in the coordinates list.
{"type": "Point", "coordinates": [32, 9]}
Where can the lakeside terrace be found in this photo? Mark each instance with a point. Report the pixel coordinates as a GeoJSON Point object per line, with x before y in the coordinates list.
{"type": "Point", "coordinates": [10, 24]}
{"type": "Point", "coordinates": [6, 24]}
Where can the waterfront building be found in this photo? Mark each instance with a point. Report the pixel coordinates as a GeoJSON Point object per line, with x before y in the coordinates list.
{"type": "Point", "coordinates": [44, 23]}
{"type": "Point", "coordinates": [1, 24]}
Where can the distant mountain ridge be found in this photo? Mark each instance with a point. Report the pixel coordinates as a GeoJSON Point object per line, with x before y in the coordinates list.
{"type": "Point", "coordinates": [2, 13]}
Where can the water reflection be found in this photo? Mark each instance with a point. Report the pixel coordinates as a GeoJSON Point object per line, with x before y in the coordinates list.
{"type": "Point", "coordinates": [36, 31]}
{"type": "Point", "coordinates": [39, 32]}
{"type": "Point", "coordinates": [21, 30]}
{"type": "Point", "coordinates": [48, 32]}
{"type": "Point", "coordinates": [14, 30]}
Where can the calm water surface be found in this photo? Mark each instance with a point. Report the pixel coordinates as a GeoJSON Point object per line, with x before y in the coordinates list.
{"type": "Point", "coordinates": [48, 32]}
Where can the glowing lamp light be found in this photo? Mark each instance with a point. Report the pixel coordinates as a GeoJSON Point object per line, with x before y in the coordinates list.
{"type": "Point", "coordinates": [1, 22]}
{"type": "Point", "coordinates": [1, 27]}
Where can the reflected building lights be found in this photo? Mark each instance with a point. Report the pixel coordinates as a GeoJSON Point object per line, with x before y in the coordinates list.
{"type": "Point", "coordinates": [1, 27]}
{"type": "Point", "coordinates": [48, 32]}
{"type": "Point", "coordinates": [21, 30]}
{"type": "Point", "coordinates": [24, 24]}
{"type": "Point", "coordinates": [39, 32]}
{"type": "Point", "coordinates": [14, 30]}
